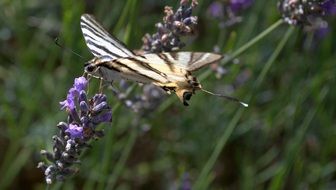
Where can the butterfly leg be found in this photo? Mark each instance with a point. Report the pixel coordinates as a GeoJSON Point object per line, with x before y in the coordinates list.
{"type": "Point", "coordinates": [168, 90]}
{"type": "Point", "coordinates": [101, 86]}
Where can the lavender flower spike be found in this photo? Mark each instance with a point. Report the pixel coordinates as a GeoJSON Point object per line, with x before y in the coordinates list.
{"type": "Point", "coordinates": [329, 7]}
{"type": "Point", "coordinates": [299, 12]}
{"type": "Point", "coordinates": [75, 131]}
{"type": "Point", "coordinates": [175, 25]}
{"type": "Point", "coordinates": [238, 5]}
{"type": "Point", "coordinates": [216, 9]}
{"type": "Point", "coordinates": [80, 84]}
{"type": "Point", "coordinates": [74, 135]}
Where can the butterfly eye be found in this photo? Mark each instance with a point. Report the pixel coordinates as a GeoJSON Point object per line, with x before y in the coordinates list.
{"type": "Point", "coordinates": [89, 68]}
{"type": "Point", "coordinates": [186, 97]}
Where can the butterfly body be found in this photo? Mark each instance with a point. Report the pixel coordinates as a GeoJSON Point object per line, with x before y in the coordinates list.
{"type": "Point", "coordinates": [171, 71]}
{"type": "Point", "coordinates": [168, 75]}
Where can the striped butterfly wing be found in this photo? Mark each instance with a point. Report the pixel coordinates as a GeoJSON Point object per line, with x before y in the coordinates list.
{"type": "Point", "coordinates": [100, 42]}
{"type": "Point", "coordinates": [162, 68]}
{"type": "Point", "coordinates": [190, 61]}
{"type": "Point", "coordinates": [143, 70]}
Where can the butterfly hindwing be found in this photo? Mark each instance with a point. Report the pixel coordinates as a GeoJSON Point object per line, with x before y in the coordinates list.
{"type": "Point", "coordinates": [100, 42]}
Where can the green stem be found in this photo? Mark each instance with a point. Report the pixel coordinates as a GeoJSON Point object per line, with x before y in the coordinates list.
{"type": "Point", "coordinates": [292, 153]}
{"type": "Point", "coordinates": [243, 48]}
{"type": "Point", "coordinates": [15, 167]}
{"type": "Point", "coordinates": [8, 157]}
{"type": "Point", "coordinates": [123, 158]}
{"type": "Point", "coordinates": [132, 21]}
{"type": "Point", "coordinates": [253, 41]}
{"type": "Point", "coordinates": [123, 18]}
{"type": "Point", "coordinates": [273, 57]}
{"type": "Point", "coordinates": [200, 184]}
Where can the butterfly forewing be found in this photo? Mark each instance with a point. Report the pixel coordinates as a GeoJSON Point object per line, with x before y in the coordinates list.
{"type": "Point", "coordinates": [145, 70]}
{"type": "Point", "coordinates": [190, 61]}
{"type": "Point", "coordinates": [100, 42]}
{"type": "Point", "coordinates": [160, 68]}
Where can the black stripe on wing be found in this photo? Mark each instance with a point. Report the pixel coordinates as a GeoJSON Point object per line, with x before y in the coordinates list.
{"type": "Point", "coordinates": [190, 61]}
{"type": "Point", "coordinates": [119, 65]}
{"type": "Point", "coordinates": [100, 42]}
{"type": "Point", "coordinates": [146, 65]}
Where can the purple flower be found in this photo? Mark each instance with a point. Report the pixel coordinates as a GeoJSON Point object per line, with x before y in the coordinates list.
{"type": "Point", "coordinates": [304, 13]}
{"type": "Point", "coordinates": [322, 31]}
{"type": "Point", "coordinates": [320, 26]}
{"type": "Point", "coordinates": [75, 131]}
{"type": "Point", "coordinates": [80, 84]}
{"type": "Point", "coordinates": [329, 7]}
{"type": "Point", "coordinates": [228, 12]}
{"type": "Point", "coordinates": [238, 5]}
{"type": "Point", "coordinates": [186, 182]}
{"type": "Point", "coordinates": [69, 103]}
{"type": "Point", "coordinates": [174, 26]}
{"type": "Point", "coordinates": [74, 135]}
{"type": "Point", "coordinates": [216, 9]}
{"type": "Point", "coordinates": [105, 117]}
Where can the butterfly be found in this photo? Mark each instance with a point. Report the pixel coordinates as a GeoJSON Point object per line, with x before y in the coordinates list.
{"type": "Point", "coordinates": [172, 71]}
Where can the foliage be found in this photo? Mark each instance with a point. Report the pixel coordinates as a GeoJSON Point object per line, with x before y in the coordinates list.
{"type": "Point", "coordinates": [285, 139]}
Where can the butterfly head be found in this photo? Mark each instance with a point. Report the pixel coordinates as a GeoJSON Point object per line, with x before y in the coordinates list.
{"type": "Point", "coordinates": [184, 95]}
{"type": "Point", "coordinates": [185, 90]}
{"type": "Point", "coordinates": [93, 67]}
{"type": "Point", "coordinates": [90, 68]}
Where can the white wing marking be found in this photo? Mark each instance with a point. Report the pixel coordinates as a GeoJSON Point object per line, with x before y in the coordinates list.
{"type": "Point", "coordinates": [100, 42]}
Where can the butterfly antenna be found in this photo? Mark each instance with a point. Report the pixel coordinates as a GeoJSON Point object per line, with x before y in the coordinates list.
{"type": "Point", "coordinates": [67, 49]}
{"type": "Point", "coordinates": [226, 97]}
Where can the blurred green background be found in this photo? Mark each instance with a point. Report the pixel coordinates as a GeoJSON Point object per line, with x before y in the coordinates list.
{"type": "Point", "coordinates": [285, 139]}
